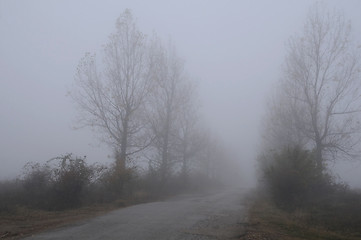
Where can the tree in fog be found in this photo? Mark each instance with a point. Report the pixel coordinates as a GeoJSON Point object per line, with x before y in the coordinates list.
{"type": "Point", "coordinates": [210, 156]}
{"type": "Point", "coordinates": [283, 123]}
{"type": "Point", "coordinates": [112, 100]}
{"type": "Point", "coordinates": [320, 102]}
{"type": "Point", "coordinates": [166, 107]}
{"type": "Point", "coordinates": [190, 135]}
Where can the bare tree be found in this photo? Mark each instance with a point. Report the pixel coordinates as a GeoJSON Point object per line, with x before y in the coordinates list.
{"type": "Point", "coordinates": [210, 156]}
{"type": "Point", "coordinates": [283, 124]}
{"type": "Point", "coordinates": [321, 86]}
{"type": "Point", "coordinates": [190, 134]}
{"type": "Point", "coordinates": [112, 101]}
{"type": "Point", "coordinates": [166, 103]}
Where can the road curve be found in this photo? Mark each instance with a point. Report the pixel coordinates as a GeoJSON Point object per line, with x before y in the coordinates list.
{"type": "Point", "coordinates": [197, 216]}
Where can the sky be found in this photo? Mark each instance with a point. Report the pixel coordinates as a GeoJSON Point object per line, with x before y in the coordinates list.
{"type": "Point", "coordinates": [234, 50]}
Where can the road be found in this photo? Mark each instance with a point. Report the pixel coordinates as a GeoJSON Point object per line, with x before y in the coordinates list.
{"type": "Point", "coordinates": [216, 215]}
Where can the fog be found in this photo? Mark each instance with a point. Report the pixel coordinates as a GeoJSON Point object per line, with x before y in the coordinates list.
{"type": "Point", "coordinates": [233, 50]}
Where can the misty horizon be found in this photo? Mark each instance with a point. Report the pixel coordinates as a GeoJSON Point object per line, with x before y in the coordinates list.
{"type": "Point", "coordinates": [233, 52]}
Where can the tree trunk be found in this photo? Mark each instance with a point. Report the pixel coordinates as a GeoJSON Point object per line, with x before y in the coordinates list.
{"type": "Point", "coordinates": [319, 157]}
{"type": "Point", "coordinates": [165, 150]}
{"type": "Point", "coordinates": [122, 156]}
{"type": "Point", "coordinates": [164, 164]}
{"type": "Point", "coordinates": [185, 162]}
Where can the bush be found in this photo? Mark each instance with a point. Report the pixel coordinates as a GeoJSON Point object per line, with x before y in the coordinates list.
{"type": "Point", "coordinates": [57, 187]}
{"type": "Point", "coordinates": [295, 183]}
{"type": "Point", "coordinates": [37, 184]}
{"type": "Point", "coordinates": [69, 182]}
{"type": "Point", "coordinates": [113, 183]}
{"type": "Point", "coordinates": [10, 196]}
{"type": "Point", "coordinates": [340, 211]}
{"type": "Point", "coordinates": [70, 179]}
{"type": "Point", "coordinates": [293, 178]}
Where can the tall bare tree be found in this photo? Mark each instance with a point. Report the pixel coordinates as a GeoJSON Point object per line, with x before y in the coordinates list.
{"type": "Point", "coordinates": [321, 86]}
{"type": "Point", "coordinates": [191, 137]}
{"type": "Point", "coordinates": [112, 100]}
{"type": "Point", "coordinates": [167, 102]}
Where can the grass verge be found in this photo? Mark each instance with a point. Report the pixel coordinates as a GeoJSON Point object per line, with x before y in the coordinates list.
{"type": "Point", "coordinates": [23, 221]}
{"type": "Point", "coordinates": [266, 221]}
{"type": "Point", "coordinates": [26, 222]}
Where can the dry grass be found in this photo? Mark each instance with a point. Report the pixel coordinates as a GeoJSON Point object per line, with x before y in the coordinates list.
{"type": "Point", "coordinates": [24, 222]}
{"type": "Point", "coordinates": [268, 222]}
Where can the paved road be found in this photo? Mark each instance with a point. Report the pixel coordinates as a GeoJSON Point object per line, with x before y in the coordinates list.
{"type": "Point", "coordinates": [202, 216]}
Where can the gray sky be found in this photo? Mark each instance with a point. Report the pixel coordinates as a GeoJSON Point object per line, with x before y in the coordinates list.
{"type": "Point", "coordinates": [234, 49]}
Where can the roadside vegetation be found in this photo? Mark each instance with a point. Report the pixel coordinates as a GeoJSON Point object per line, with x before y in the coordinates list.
{"type": "Point", "coordinates": [297, 201]}
{"type": "Point", "coordinates": [313, 121]}
{"type": "Point", "coordinates": [67, 189]}
{"type": "Point", "coordinates": [139, 100]}
{"type": "Point", "coordinates": [267, 221]}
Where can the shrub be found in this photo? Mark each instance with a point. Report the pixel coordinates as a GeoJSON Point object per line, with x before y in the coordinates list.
{"type": "Point", "coordinates": [340, 211]}
{"type": "Point", "coordinates": [70, 179]}
{"type": "Point", "coordinates": [59, 186]}
{"type": "Point", "coordinates": [293, 178]}
{"type": "Point", "coordinates": [37, 184]}
{"type": "Point", "coordinates": [10, 196]}
{"type": "Point", "coordinates": [114, 183]}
